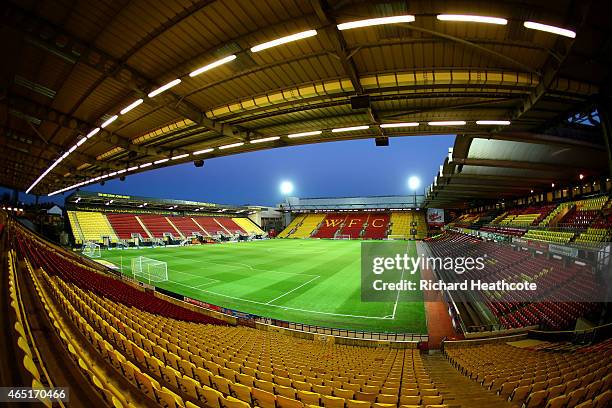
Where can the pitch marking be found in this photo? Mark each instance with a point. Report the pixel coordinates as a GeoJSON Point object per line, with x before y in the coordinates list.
{"type": "Point", "coordinates": [292, 290]}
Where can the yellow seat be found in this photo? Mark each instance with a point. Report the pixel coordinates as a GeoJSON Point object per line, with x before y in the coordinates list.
{"type": "Point", "coordinates": [357, 404]}
{"type": "Point", "coordinates": [231, 402]}
{"type": "Point", "coordinates": [264, 385]}
{"type": "Point", "coordinates": [285, 402]}
{"type": "Point", "coordinates": [263, 399]}
{"type": "Point", "coordinates": [211, 397]}
{"type": "Point", "coordinates": [431, 400]}
{"type": "Point", "coordinates": [285, 391]}
{"type": "Point", "coordinates": [221, 384]}
{"type": "Point", "coordinates": [342, 393]}
{"type": "Point", "coordinates": [332, 402]}
{"type": "Point", "coordinates": [308, 397]}
{"type": "Point", "coordinates": [242, 392]}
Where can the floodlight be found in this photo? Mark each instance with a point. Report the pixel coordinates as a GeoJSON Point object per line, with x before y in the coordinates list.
{"type": "Point", "coordinates": [414, 182]}
{"type": "Point", "coordinates": [286, 187]}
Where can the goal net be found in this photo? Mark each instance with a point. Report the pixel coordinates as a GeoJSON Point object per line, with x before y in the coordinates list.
{"type": "Point", "coordinates": [91, 249]}
{"type": "Point", "coordinates": [343, 236]}
{"type": "Point", "coordinates": [398, 237]}
{"type": "Point", "coordinates": [149, 269]}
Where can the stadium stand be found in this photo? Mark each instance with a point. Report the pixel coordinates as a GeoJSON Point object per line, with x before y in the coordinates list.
{"type": "Point", "coordinates": [331, 224]}
{"type": "Point", "coordinates": [248, 225]}
{"type": "Point", "coordinates": [289, 229]}
{"type": "Point", "coordinates": [230, 225]}
{"type": "Point", "coordinates": [377, 226]}
{"type": "Point", "coordinates": [210, 225]}
{"type": "Point", "coordinates": [537, 378]}
{"type": "Point", "coordinates": [186, 225]}
{"type": "Point", "coordinates": [158, 225]}
{"type": "Point", "coordinates": [558, 237]}
{"type": "Point", "coordinates": [93, 226]}
{"type": "Point", "coordinates": [354, 224]}
{"type": "Point", "coordinates": [573, 282]}
{"type": "Point", "coordinates": [308, 225]}
{"type": "Point", "coordinates": [74, 226]}
{"type": "Point", "coordinates": [400, 224]}
{"type": "Point", "coordinates": [126, 224]}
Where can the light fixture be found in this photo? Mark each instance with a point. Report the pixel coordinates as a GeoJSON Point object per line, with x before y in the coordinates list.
{"type": "Point", "coordinates": [265, 139]}
{"type": "Point", "coordinates": [212, 65]}
{"type": "Point", "coordinates": [550, 29]}
{"type": "Point", "coordinates": [142, 166]}
{"type": "Point", "coordinates": [203, 151]}
{"type": "Point", "coordinates": [180, 156]}
{"type": "Point", "coordinates": [552, 185]}
{"type": "Point", "coordinates": [284, 40]}
{"type": "Point", "coordinates": [311, 133]}
{"type": "Point", "coordinates": [396, 125]}
{"type": "Point", "coordinates": [229, 146]}
{"type": "Point", "coordinates": [109, 121]}
{"type": "Point", "coordinates": [132, 168]}
{"type": "Point", "coordinates": [121, 171]}
{"type": "Point", "coordinates": [348, 129]}
{"type": "Point", "coordinates": [447, 123]}
{"type": "Point", "coordinates": [160, 161]}
{"type": "Point", "coordinates": [376, 21]}
{"type": "Point", "coordinates": [164, 87]}
{"type": "Point", "coordinates": [131, 106]}
{"type": "Point", "coordinates": [93, 132]}
{"type": "Point", "coordinates": [493, 122]}
{"type": "Point", "coordinates": [581, 176]}
{"type": "Point", "coordinates": [531, 191]}
{"type": "Point", "coordinates": [286, 187]}
{"type": "Point", "coordinates": [414, 182]}
{"type": "Point", "coordinates": [472, 19]}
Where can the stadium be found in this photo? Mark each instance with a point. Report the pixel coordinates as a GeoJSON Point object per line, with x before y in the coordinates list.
{"type": "Point", "coordinates": [134, 274]}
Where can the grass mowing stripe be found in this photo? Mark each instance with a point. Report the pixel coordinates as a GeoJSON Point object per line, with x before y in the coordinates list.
{"type": "Point", "coordinates": [308, 281]}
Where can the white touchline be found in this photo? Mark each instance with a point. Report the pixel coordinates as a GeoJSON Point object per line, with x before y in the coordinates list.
{"type": "Point", "coordinates": [292, 290]}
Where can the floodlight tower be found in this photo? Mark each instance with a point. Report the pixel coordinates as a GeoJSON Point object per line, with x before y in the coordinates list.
{"type": "Point", "coordinates": [286, 188]}
{"type": "Point", "coordinates": [413, 183]}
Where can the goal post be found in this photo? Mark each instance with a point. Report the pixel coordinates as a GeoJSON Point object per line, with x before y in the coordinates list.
{"type": "Point", "coordinates": [397, 237]}
{"type": "Point", "coordinates": [149, 269]}
{"type": "Point", "coordinates": [91, 250]}
{"type": "Point", "coordinates": [343, 236]}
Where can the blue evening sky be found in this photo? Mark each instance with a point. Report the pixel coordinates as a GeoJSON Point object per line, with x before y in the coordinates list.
{"type": "Point", "coordinates": [335, 169]}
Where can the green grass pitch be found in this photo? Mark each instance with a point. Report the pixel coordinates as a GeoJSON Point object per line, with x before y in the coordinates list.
{"type": "Point", "coordinates": [306, 281]}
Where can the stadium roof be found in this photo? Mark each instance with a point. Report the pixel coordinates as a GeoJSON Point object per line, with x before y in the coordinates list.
{"type": "Point", "coordinates": [508, 165]}
{"type": "Point", "coordinates": [93, 200]}
{"type": "Point", "coordinates": [77, 67]}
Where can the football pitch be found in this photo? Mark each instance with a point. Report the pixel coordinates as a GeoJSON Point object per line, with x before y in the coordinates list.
{"type": "Point", "coordinates": [305, 281]}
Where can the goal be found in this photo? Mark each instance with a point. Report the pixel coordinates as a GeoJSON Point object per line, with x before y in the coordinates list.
{"type": "Point", "coordinates": [398, 237]}
{"type": "Point", "coordinates": [343, 236]}
{"type": "Point", "coordinates": [91, 249]}
{"type": "Point", "coordinates": [149, 269]}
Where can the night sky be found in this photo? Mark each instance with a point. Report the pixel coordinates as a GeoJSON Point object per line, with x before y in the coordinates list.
{"type": "Point", "coordinates": [336, 169]}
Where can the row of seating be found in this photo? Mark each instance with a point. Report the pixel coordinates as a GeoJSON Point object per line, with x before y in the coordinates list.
{"type": "Point", "coordinates": [31, 360]}
{"type": "Point", "coordinates": [90, 226]}
{"type": "Point", "coordinates": [558, 237]}
{"type": "Point", "coordinates": [537, 379]}
{"type": "Point", "coordinates": [364, 225]}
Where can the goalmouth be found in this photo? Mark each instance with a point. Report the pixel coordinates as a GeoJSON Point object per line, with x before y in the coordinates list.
{"type": "Point", "coordinates": [149, 269]}
{"type": "Point", "coordinates": [91, 249]}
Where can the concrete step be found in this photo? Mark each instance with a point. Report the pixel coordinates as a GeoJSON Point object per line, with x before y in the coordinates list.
{"type": "Point", "coordinates": [457, 389]}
